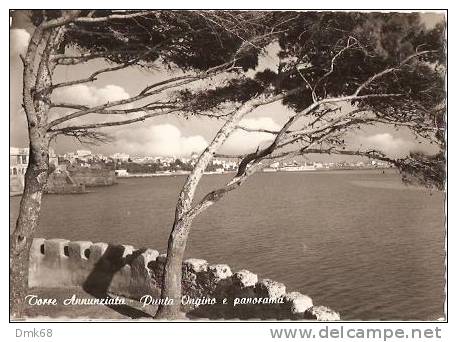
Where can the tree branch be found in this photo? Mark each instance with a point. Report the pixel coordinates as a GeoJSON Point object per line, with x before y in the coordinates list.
{"type": "Point", "coordinates": [147, 107]}
{"type": "Point", "coordinates": [111, 17]}
{"type": "Point", "coordinates": [389, 70]}
{"type": "Point", "coordinates": [332, 64]}
{"type": "Point", "coordinates": [148, 91]}
{"type": "Point", "coordinates": [94, 75]}
{"type": "Point", "coordinates": [67, 129]}
{"type": "Point", "coordinates": [260, 154]}
{"type": "Point", "coordinates": [251, 162]}
{"type": "Point", "coordinates": [62, 59]}
{"type": "Point", "coordinates": [256, 130]}
{"type": "Point", "coordinates": [73, 18]}
{"type": "Point", "coordinates": [215, 195]}
{"type": "Point", "coordinates": [409, 124]}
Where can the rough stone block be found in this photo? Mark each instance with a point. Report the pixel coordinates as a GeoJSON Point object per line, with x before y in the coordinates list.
{"type": "Point", "coordinates": [96, 251]}
{"type": "Point", "coordinates": [141, 262]}
{"type": "Point", "coordinates": [321, 313]}
{"type": "Point", "coordinates": [54, 248]}
{"type": "Point", "coordinates": [196, 265]}
{"type": "Point", "coordinates": [77, 249]}
{"type": "Point", "coordinates": [220, 271]}
{"type": "Point", "coordinates": [35, 262]}
{"type": "Point", "coordinates": [35, 248]}
{"type": "Point", "coordinates": [121, 281]}
{"type": "Point", "coordinates": [128, 250]}
{"type": "Point", "coordinates": [245, 278]}
{"type": "Point", "coordinates": [142, 277]}
{"type": "Point", "coordinates": [157, 268]}
{"type": "Point", "coordinates": [270, 288]}
{"type": "Point", "coordinates": [297, 302]}
{"type": "Point", "coordinates": [161, 259]}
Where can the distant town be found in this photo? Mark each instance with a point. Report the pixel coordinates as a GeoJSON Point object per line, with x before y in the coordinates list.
{"type": "Point", "coordinates": [73, 171]}
{"type": "Point", "coordinates": [124, 164]}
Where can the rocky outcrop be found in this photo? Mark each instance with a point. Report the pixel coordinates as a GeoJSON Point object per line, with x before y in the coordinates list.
{"type": "Point", "coordinates": [90, 176]}
{"type": "Point", "coordinates": [60, 182]}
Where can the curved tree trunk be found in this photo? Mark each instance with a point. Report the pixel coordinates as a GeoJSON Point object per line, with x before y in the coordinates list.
{"type": "Point", "coordinates": [171, 283]}
{"type": "Point", "coordinates": [36, 177]}
{"type": "Point", "coordinates": [172, 276]}
{"type": "Point", "coordinates": [37, 80]}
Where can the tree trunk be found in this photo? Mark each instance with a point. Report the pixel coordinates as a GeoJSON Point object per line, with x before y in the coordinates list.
{"type": "Point", "coordinates": [171, 283]}
{"type": "Point", "coordinates": [172, 276]}
{"type": "Point", "coordinates": [36, 177]}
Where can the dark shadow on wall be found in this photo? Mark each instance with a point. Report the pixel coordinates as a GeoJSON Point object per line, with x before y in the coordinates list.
{"type": "Point", "coordinates": [99, 280]}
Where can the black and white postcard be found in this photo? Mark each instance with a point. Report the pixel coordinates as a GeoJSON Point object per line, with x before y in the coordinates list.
{"type": "Point", "coordinates": [228, 165]}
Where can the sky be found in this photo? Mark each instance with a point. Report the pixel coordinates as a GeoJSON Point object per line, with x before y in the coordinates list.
{"type": "Point", "coordinates": [166, 135]}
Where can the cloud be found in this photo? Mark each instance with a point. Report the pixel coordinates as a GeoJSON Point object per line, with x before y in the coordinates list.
{"type": "Point", "coordinates": [89, 95]}
{"type": "Point", "coordinates": [19, 39]}
{"type": "Point", "coordinates": [387, 143]}
{"type": "Point", "coordinates": [159, 140]}
{"type": "Point", "coordinates": [242, 141]}
{"type": "Point", "coordinates": [168, 140]}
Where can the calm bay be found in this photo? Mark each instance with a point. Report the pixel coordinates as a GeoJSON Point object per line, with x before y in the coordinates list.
{"type": "Point", "coordinates": [360, 242]}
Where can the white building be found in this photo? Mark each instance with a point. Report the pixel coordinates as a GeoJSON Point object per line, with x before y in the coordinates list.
{"type": "Point", "coordinates": [19, 159]}
{"type": "Point", "coordinates": [83, 153]}
{"type": "Point", "coordinates": [274, 165]}
{"type": "Point", "coordinates": [123, 157]}
{"type": "Point", "coordinates": [121, 173]}
{"type": "Point", "coordinates": [70, 156]}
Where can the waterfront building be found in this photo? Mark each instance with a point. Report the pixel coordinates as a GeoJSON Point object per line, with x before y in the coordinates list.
{"type": "Point", "coordinates": [274, 165]}
{"type": "Point", "coordinates": [292, 168]}
{"type": "Point", "coordinates": [19, 160]}
{"type": "Point", "coordinates": [121, 173]}
{"type": "Point", "coordinates": [84, 155]}
{"type": "Point", "coordinates": [101, 157]}
{"type": "Point", "coordinates": [70, 156]}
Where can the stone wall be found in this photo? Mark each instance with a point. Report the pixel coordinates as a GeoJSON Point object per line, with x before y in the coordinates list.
{"type": "Point", "coordinates": [92, 176]}
{"type": "Point", "coordinates": [100, 268]}
{"type": "Point", "coordinates": [59, 182]}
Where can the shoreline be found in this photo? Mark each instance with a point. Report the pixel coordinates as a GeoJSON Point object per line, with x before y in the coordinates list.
{"type": "Point", "coordinates": [185, 173]}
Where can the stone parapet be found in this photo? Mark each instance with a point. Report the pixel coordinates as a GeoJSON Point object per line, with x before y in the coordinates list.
{"type": "Point", "coordinates": [212, 291]}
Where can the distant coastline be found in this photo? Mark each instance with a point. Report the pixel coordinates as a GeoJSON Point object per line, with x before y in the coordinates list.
{"type": "Point", "coordinates": [184, 173]}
